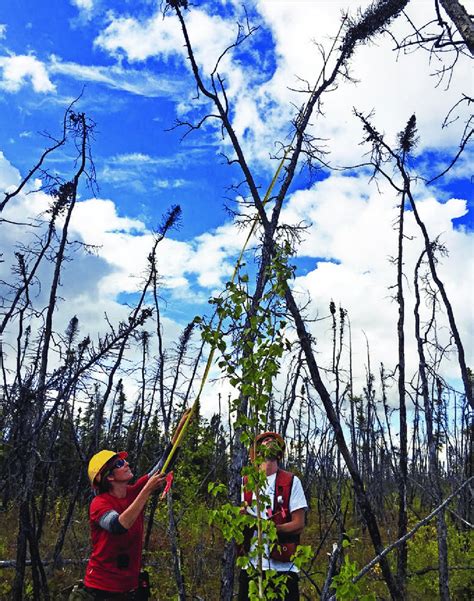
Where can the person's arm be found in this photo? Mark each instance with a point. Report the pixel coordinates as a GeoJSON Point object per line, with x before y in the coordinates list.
{"type": "Point", "coordinates": [128, 517]}
{"type": "Point", "coordinates": [295, 525]}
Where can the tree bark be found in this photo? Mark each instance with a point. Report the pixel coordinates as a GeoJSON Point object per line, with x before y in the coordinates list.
{"type": "Point", "coordinates": [175, 550]}
{"type": "Point", "coordinates": [460, 17]}
{"type": "Point", "coordinates": [402, 551]}
{"type": "Point", "coordinates": [433, 466]}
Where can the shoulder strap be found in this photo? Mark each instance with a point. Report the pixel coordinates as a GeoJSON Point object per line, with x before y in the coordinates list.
{"type": "Point", "coordinates": [247, 493]}
{"type": "Point", "coordinates": [283, 486]}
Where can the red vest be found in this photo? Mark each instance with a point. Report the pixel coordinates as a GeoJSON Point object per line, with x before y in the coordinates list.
{"type": "Point", "coordinates": [280, 513]}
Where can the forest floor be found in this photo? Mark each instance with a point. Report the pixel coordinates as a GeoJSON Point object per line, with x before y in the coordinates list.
{"type": "Point", "coordinates": [202, 546]}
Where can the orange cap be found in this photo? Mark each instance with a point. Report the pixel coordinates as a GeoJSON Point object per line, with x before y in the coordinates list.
{"type": "Point", "coordinates": [261, 437]}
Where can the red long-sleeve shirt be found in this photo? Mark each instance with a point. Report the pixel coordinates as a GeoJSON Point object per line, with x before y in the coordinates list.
{"type": "Point", "coordinates": [115, 562]}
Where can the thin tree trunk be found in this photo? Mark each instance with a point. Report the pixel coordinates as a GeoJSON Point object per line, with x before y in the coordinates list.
{"type": "Point", "coordinates": [402, 551]}
{"type": "Point", "coordinates": [352, 403]}
{"type": "Point", "coordinates": [443, 573]}
{"type": "Point", "coordinates": [175, 550]}
{"type": "Point", "coordinates": [362, 499]}
{"type": "Point", "coordinates": [238, 458]}
{"type": "Point", "coordinates": [286, 420]}
{"type": "Point", "coordinates": [65, 526]}
{"type": "Point", "coordinates": [463, 21]}
{"type": "Point", "coordinates": [21, 543]}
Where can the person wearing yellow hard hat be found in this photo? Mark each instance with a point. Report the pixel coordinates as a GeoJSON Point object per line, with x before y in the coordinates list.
{"type": "Point", "coordinates": [287, 510]}
{"type": "Point", "coordinates": [116, 517]}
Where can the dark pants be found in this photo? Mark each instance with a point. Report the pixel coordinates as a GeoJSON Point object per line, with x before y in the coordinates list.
{"type": "Point", "coordinates": [84, 593]}
{"type": "Point", "coordinates": [80, 593]}
{"type": "Point", "coordinates": [292, 580]}
{"type": "Point", "coordinates": [107, 596]}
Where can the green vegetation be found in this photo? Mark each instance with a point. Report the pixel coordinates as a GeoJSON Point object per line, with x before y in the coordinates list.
{"type": "Point", "coordinates": [202, 547]}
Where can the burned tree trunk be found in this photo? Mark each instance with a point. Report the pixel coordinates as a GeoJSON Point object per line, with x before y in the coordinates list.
{"type": "Point", "coordinates": [433, 465]}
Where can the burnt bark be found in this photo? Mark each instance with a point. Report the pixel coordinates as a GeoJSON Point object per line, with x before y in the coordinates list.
{"type": "Point", "coordinates": [463, 21]}
{"type": "Point", "coordinates": [435, 481]}
{"type": "Point", "coordinates": [175, 550]}
{"type": "Point", "coordinates": [402, 551]}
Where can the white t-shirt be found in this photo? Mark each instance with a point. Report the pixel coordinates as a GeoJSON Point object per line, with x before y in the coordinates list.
{"type": "Point", "coordinates": [297, 501]}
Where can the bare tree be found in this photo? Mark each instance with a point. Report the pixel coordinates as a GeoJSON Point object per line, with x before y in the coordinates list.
{"type": "Point", "coordinates": [382, 154]}
{"type": "Point", "coordinates": [432, 447]}
{"type": "Point", "coordinates": [372, 21]}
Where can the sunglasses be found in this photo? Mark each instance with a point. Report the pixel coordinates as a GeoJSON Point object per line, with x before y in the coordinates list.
{"type": "Point", "coordinates": [117, 464]}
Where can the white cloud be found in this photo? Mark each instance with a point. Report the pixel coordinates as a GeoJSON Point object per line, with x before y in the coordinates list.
{"type": "Point", "coordinates": [140, 82]}
{"type": "Point", "coordinates": [125, 243]}
{"type": "Point", "coordinates": [161, 37]}
{"type": "Point", "coordinates": [18, 70]}
{"type": "Point", "coordinates": [3, 30]}
{"type": "Point", "coordinates": [352, 223]}
{"type": "Point", "coordinates": [394, 85]}
{"type": "Point", "coordinates": [134, 158]}
{"type": "Point", "coordinates": [138, 170]}
{"type": "Point", "coordinates": [86, 5]}
{"type": "Point", "coordinates": [169, 183]}
{"type": "Point", "coordinates": [134, 169]}
{"type": "Point", "coordinates": [9, 176]}
{"type": "Point", "coordinates": [141, 40]}
{"type": "Point", "coordinates": [215, 255]}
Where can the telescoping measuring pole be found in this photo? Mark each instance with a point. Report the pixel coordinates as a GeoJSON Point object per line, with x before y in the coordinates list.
{"type": "Point", "coordinates": [210, 358]}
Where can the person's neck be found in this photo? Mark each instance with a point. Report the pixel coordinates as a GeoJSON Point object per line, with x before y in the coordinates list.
{"type": "Point", "coordinates": [271, 467]}
{"type": "Point", "coordinates": [119, 489]}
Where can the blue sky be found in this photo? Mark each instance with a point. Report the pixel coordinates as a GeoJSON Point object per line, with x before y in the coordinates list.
{"type": "Point", "coordinates": [129, 126]}
{"type": "Point", "coordinates": [128, 62]}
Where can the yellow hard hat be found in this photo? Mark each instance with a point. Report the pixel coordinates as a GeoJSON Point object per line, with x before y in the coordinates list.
{"type": "Point", "coordinates": [99, 460]}
{"type": "Point", "coordinates": [261, 437]}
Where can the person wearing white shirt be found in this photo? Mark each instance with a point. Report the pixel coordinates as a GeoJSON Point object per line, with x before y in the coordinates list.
{"type": "Point", "coordinates": [288, 513]}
